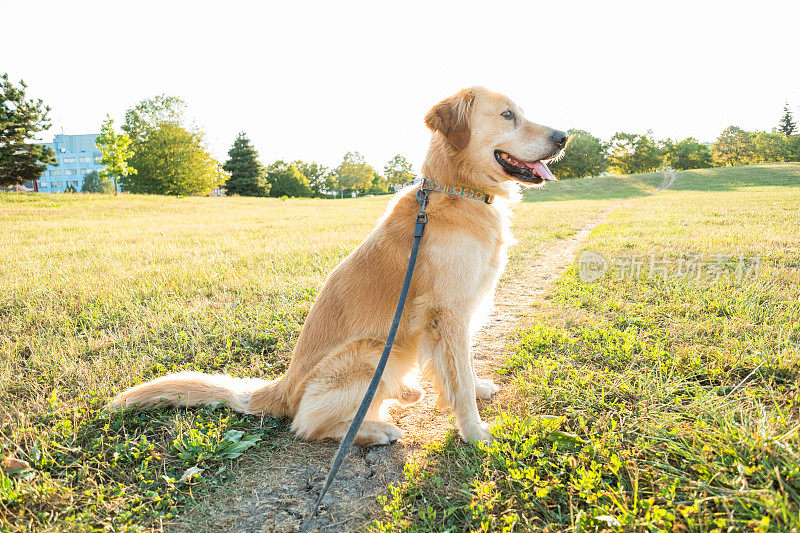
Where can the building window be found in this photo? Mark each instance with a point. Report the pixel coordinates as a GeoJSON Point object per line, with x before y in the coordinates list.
{"type": "Point", "coordinates": [73, 184]}
{"type": "Point", "coordinates": [68, 160]}
{"type": "Point", "coordinates": [85, 159]}
{"type": "Point", "coordinates": [55, 172]}
{"type": "Point", "coordinates": [70, 172]}
{"type": "Point", "coordinates": [44, 185]}
{"type": "Point", "coordinates": [98, 158]}
{"type": "Point", "coordinates": [85, 171]}
{"type": "Point", "coordinates": [56, 183]}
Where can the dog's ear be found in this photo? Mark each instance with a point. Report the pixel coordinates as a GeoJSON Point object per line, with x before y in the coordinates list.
{"type": "Point", "coordinates": [451, 117]}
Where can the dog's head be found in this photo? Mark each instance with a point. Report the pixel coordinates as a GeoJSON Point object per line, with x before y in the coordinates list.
{"type": "Point", "coordinates": [488, 132]}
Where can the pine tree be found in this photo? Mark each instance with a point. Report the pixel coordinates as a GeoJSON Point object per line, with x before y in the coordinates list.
{"type": "Point", "coordinates": [787, 125]}
{"type": "Point", "coordinates": [247, 175]}
{"type": "Point", "coordinates": [21, 119]}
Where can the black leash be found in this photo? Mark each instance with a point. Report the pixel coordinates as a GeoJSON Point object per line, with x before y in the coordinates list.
{"type": "Point", "coordinates": [419, 227]}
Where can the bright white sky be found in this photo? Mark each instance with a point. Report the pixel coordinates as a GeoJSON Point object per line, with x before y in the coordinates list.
{"type": "Point", "coordinates": [314, 80]}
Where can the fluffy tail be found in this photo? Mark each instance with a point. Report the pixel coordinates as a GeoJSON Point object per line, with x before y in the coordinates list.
{"type": "Point", "coordinates": [196, 388]}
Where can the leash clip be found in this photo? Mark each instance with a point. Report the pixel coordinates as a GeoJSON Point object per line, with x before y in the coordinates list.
{"type": "Point", "coordinates": [422, 198]}
{"type": "Point", "coordinates": [422, 216]}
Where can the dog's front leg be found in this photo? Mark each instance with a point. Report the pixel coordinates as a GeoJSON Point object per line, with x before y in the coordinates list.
{"type": "Point", "coordinates": [451, 366]}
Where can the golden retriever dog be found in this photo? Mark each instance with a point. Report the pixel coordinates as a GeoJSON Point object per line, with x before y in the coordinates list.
{"type": "Point", "coordinates": [480, 140]}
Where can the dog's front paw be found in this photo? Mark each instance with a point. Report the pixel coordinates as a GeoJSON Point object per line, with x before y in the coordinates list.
{"type": "Point", "coordinates": [485, 388]}
{"type": "Point", "coordinates": [476, 432]}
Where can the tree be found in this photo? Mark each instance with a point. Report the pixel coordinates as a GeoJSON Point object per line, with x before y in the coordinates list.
{"type": "Point", "coordinates": [287, 180]}
{"type": "Point", "coordinates": [94, 182]}
{"type": "Point", "coordinates": [787, 125]}
{"type": "Point", "coordinates": [771, 147]}
{"type": "Point", "coordinates": [152, 113]}
{"type": "Point", "coordinates": [169, 156]}
{"type": "Point", "coordinates": [20, 120]}
{"type": "Point", "coordinates": [319, 177]}
{"type": "Point", "coordinates": [379, 185]}
{"type": "Point", "coordinates": [332, 183]}
{"type": "Point", "coordinates": [173, 161]}
{"type": "Point", "coordinates": [248, 177]}
{"type": "Point", "coordinates": [688, 153]}
{"type": "Point", "coordinates": [794, 147]}
{"type": "Point", "coordinates": [632, 152]}
{"type": "Point", "coordinates": [584, 155]}
{"type": "Point", "coordinates": [734, 146]}
{"type": "Point", "coordinates": [398, 171]}
{"type": "Point", "coordinates": [116, 152]}
{"type": "Point", "coordinates": [354, 173]}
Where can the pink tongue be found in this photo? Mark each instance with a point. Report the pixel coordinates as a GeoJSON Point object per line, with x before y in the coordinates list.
{"type": "Point", "coordinates": [543, 171]}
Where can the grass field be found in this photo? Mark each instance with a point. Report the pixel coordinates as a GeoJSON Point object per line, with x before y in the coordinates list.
{"type": "Point", "coordinates": [100, 293]}
{"type": "Point", "coordinates": [655, 403]}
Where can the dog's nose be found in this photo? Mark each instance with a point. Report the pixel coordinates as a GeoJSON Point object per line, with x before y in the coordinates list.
{"type": "Point", "coordinates": [559, 137]}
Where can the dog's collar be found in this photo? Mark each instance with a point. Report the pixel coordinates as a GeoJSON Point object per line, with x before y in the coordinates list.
{"type": "Point", "coordinates": [465, 192]}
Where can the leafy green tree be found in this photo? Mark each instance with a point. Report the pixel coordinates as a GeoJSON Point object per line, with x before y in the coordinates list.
{"type": "Point", "coordinates": [397, 171]}
{"type": "Point", "coordinates": [787, 125]}
{"type": "Point", "coordinates": [688, 153]}
{"type": "Point", "coordinates": [115, 149]}
{"type": "Point", "coordinates": [318, 177]}
{"type": "Point", "coordinates": [152, 113]}
{"type": "Point", "coordinates": [170, 157]}
{"type": "Point", "coordinates": [20, 120]}
{"type": "Point", "coordinates": [794, 147]}
{"type": "Point", "coordinates": [287, 180]}
{"type": "Point", "coordinates": [94, 182]}
{"type": "Point", "coordinates": [771, 147]}
{"type": "Point", "coordinates": [173, 161]}
{"type": "Point", "coordinates": [632, 152]}
{"type": "Point", "coordinates": [332, 183]}
{"type": "Point", "coordinates": [248, 177]}
{"type": "Point", "coordinates": [584, 155]}
{"type": "Point", "coordinates": [379, 185]}
{"type": "Point", "coordinates": [734, 146]}
{"type": "Point", "coordinates": [354, 174]}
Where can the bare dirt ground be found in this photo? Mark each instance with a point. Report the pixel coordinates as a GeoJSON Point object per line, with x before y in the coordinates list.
{"type": "Point", "coordinates": [275, 492]}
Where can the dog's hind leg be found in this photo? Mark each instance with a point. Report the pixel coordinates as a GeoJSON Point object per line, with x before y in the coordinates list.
{"type": "Point", "coordinates": [337, 385]}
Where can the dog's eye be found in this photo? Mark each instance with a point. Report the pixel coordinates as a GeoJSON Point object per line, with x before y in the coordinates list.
{"type": "Point", "coordinates": [507, 114]}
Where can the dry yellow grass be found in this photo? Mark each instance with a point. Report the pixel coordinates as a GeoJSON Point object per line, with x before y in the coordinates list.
{"type": "Point", "coordinates": [100, 293]}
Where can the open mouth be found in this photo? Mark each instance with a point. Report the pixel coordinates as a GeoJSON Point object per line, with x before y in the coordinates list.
{"type": "Point", "coordinates": [526, 171]}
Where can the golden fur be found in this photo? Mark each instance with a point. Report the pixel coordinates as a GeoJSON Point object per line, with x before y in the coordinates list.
{"type": "Point", "coordinates": [462, 255]}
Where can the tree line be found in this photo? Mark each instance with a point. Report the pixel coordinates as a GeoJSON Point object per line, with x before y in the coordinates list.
{"type": "Point", "coordinates": [628, 153]}
{"type": "Point", "coordinates": [248, 177]}
{"type": "Point", "coordinates": [160, 151]}
{"type": "Point", "coordinates": [168, 155]}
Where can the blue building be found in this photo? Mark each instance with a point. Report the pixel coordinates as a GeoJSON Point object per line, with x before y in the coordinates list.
{"type": "Point", "coordinates": [77, 156]}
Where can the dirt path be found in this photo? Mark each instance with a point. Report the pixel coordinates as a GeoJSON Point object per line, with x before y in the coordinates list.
{"type": "Point", "coordinates": [275, 493]}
